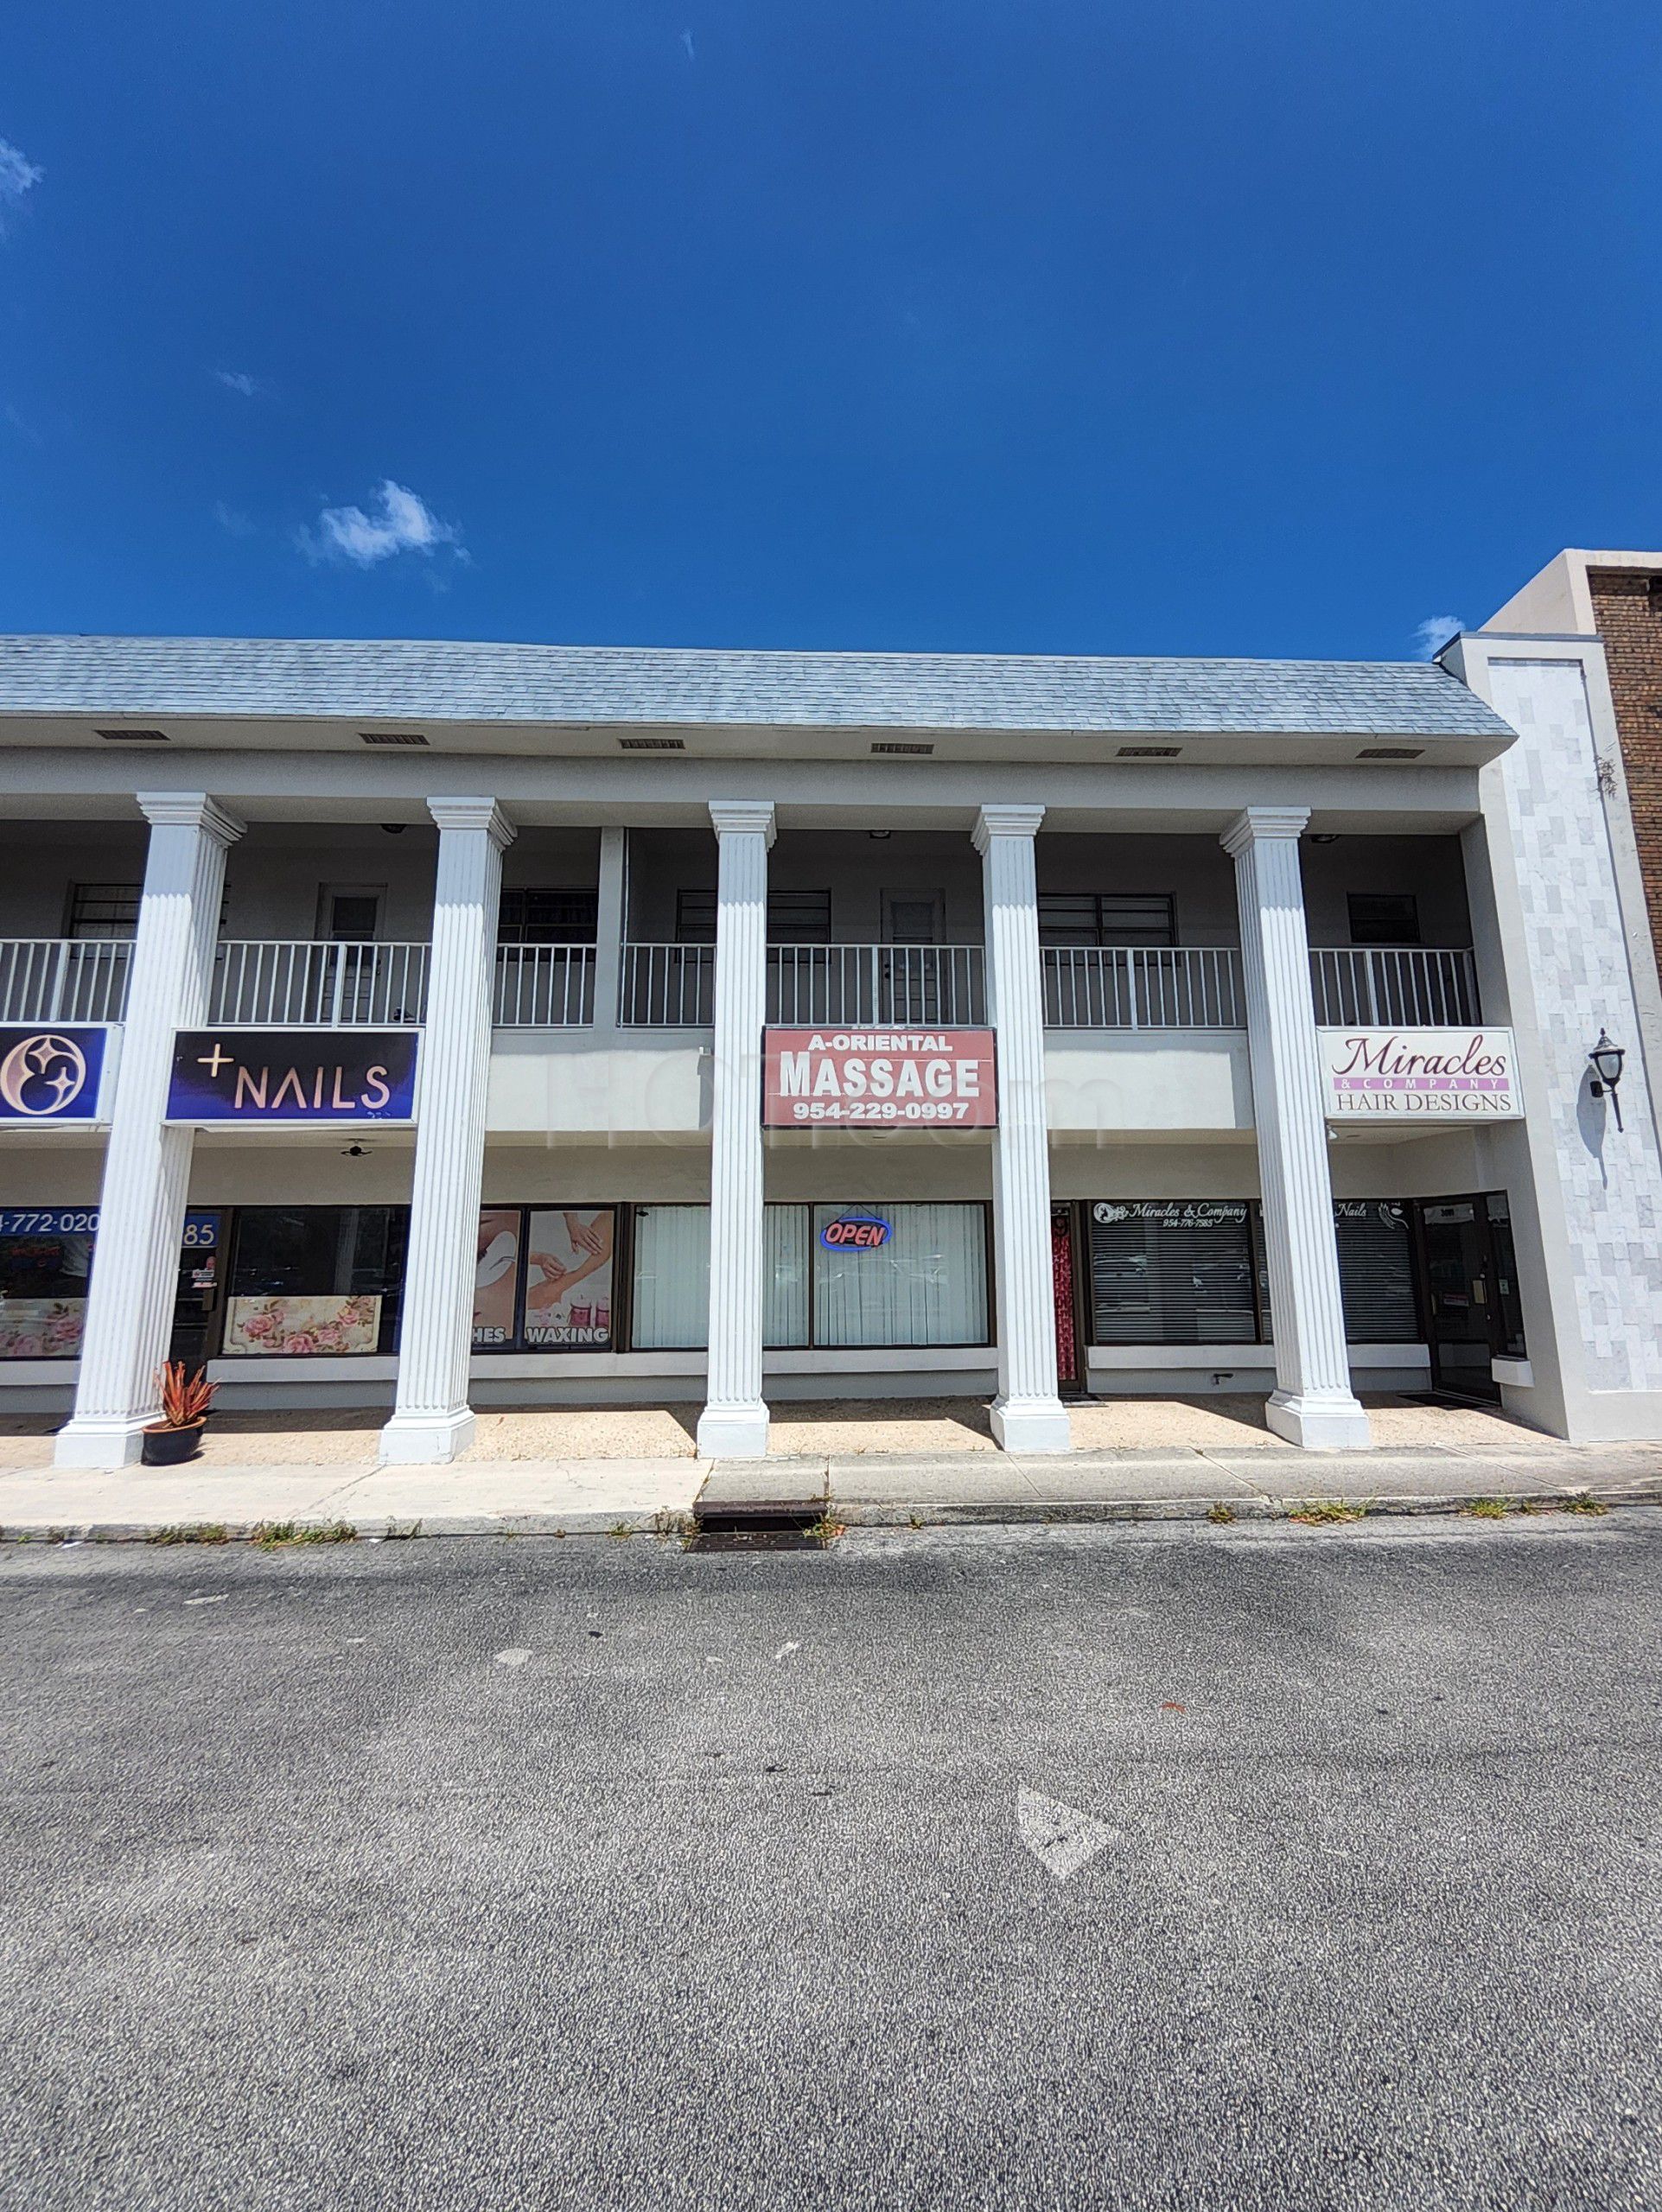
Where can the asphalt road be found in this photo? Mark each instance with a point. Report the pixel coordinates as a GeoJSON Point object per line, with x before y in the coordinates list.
{"type": "Point", "coordinates": [528, 1873]}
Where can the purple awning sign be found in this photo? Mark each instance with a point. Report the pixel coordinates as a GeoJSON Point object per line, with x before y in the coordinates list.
{"type": "Point", "coordinates": [257, 1077]}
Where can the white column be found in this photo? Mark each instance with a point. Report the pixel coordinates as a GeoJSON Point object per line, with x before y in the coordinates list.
{"type": "Point", "coordinates": [1027, 1416]}
{"type": "Point", "coordinates": [147, 1167]}
{"type": "Point", "coordinates": [611, 920]}
{"type": "Point", "coordinates": [734, 1423]}
{"type": "Point", "coordinates": [432, 1418]}
{"type": "Point", "coordinates": [1312, 1403]}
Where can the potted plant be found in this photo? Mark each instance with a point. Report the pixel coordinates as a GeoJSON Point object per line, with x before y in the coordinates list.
{"type": "Point", "coordinates": [185, 1401]}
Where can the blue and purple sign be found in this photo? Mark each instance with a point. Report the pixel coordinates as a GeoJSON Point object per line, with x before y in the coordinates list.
{"type": "Point", "coordinates": [259, 1077]}
{"type": "Point", "coordinates": [50, 1075]}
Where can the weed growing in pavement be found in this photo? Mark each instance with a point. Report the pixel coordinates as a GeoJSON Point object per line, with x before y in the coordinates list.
{"type": "Point", "coordinates": [667, 1523]}
{"type": "Point", "coordinates": [825, 1528]}
{"type": "Point", "coordinates": [1315, 1511]}
{"type": "Point", "coordinates": [1582, 1504]}
{"type": "Point", "coordinates": [1220, 1513]}
{"type": "Point", "coordinates": [272, 1535]}
{"type": "Point", "coordinates": [622, 1529]}
{"type": "Point", "coordinates": [393, 1533]}
{"type": "Point", "coordinates": [190, 1532]}
{"type": "Point", "coordinates": [1489, 1509]}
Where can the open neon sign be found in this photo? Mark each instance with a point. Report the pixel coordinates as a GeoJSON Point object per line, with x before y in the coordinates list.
{"type": "Point", "coordinates": [854, 1232]}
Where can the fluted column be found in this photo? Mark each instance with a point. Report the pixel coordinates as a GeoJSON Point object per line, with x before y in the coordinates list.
{"type": "Point", "coordinates": [147, 1167]}
{"type": "Point", "coordinates": [1027, 1415]}
{"type": "Point", "coordinates": [1313, 1402]}
{"type": "Point", "coordinates": [734, 1423]}
{"type": "Point", "coordinates": [432, 1418]}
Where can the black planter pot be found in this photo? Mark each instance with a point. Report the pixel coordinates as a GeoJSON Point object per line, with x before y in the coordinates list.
{"type": "Point", "coordinates": [171, 1447]}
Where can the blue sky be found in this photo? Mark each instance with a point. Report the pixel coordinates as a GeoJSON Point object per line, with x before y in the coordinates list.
{"type": "Point", "coordinates": [1022, 325]}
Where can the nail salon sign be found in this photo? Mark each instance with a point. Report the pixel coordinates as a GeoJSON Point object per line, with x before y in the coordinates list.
{"type": "Point", "coordinates": [297, 1077]}
{"type": "Point", "coordinates": [1419, 1074]}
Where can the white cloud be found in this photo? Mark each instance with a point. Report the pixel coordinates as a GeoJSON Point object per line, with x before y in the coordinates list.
{"type": "Point", "coordinates": [239, 380]}
{"type": "Point", "coordinates": [1434, 633]}
{"type": "Point", "coordinates": [233, 520]}
{"type": "Point", "coordinates": [399, 521]}
{"type": "Point", "coordinates": [17, 176]}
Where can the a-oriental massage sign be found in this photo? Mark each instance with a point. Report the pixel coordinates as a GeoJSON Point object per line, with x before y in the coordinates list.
{"type": "Point", "coordinates": [1428, 1074]}
{"type": "Point", "coordinates": [878, 1078]}
{"type": "Point", "coordinates": [261, 1077]}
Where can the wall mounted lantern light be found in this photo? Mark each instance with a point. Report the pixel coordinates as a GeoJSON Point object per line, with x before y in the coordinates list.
{"type": "Point", "coordinates": [1606, 1060]}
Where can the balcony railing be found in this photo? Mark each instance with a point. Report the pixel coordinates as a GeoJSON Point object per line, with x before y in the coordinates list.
{"type": "Point", "coordinates": [1143, 986]}
{"type": "Point", "coordinates": [288, 984]}
{"type": "Point", "coordinates": [64, 979]}
{"type": "Point", "coordinates": [544, 986]}
{"type": "Point", "coordinates": [667, 987]}
{"type": "Point", "coordinates": [1382, 986]}
{"type": "Point", "coordinates": [291, 984]}
{"type": "Point", "coordinates": [880, 986]}
{"type": "Point", "coordinates": [1199, 987]}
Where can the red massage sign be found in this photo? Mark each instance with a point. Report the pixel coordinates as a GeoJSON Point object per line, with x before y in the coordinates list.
{"type": "Point", "coordinates": [878, 1078]}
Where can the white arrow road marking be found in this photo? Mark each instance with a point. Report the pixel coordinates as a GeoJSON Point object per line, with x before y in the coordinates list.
{"type": "Point", "coordinates": [1061, 1837]}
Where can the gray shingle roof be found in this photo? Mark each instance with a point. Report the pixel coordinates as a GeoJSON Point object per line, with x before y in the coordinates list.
{"type": "Point", "coordinates": [400, 679]}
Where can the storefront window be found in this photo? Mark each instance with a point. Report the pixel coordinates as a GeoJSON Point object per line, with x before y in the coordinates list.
{"type": "Point", "coordinates": [670, 1307]}
{"type": "Point", "coordinates": [316, 1281]}
{"type": "Point", "coordinates": [923, 1282]}
{"type": "Point", "coordinates": [1376, 1271]}
{"type": "Point", "coordinates": [46, 1264]}
{"type": "Point", "coordinates": [544, 1278]}
{"type": "Point", "coordinates": [1172, 1272]}
{"type": "Point", "coordinates": [46, 1260]}
{"type": "Point", "coordinates": [1509, 1307]}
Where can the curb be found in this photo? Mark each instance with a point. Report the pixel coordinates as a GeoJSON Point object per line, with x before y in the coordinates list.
{"type": "Point", "coordinates": [669, 1527]}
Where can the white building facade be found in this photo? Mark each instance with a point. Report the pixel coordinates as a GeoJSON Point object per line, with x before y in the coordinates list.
{"type": "Point", "coordinates": [442, 1026]}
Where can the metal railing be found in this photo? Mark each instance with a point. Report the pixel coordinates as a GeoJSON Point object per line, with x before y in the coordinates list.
{"type": "Point", "coordinates": [1385, 987]}
{"type": "Point", "coordinates": [290, 984]}
{"type": "Point", "coordinates": [1143, 986]}
{"type": "Point", "coordinates": [667, 987]}
{"type": "Point", "coordinates": [64, 979]}
{"type": "Point", "coordinates": [898, 986]}
{"type": "Point", "coordinates": [544, 986]}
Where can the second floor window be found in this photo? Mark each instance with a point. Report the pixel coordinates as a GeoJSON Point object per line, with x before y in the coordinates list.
{"type": "Point", "coordinates": [1085, 918]}
{"type": "Point", "coordinates": [548, 917]}
{"type": "Point", "coordinates": [1384, 918]}
{"type": "Point", "coordinates": [793, 917]}
{"type": "Point", "coordinates": [103, 910]}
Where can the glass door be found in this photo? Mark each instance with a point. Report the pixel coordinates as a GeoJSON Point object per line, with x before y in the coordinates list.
{"type": "Point", "coordinates": [1460, 1296]}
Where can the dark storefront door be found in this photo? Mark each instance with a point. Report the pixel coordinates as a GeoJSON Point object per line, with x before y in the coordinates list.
{"type": "Point", "coordinates": [1065, 1281]}
{"type": "Point", "coordinates": [1461, 1296]}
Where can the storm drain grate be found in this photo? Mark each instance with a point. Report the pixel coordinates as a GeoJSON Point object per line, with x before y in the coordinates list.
{"type": "Point", "coordinates": [763, 1528]}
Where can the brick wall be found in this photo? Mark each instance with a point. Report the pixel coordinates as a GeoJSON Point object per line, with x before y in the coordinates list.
{"type": "Point", "coordinates": [1627, 609]}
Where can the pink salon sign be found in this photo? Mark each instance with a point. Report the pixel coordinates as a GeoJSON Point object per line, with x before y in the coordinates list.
{"type": "Point", "coordinates": [1419, 1074]}
{"type": "Point", "coordinates": [878, 1078]}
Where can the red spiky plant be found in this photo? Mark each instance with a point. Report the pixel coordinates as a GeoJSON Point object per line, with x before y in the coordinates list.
{"type": "Point", "coordinates": [186, 1398]}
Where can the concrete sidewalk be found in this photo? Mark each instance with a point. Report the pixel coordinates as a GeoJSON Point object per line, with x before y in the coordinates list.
{"type": "Point", "coordinates": [619, 1497]}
